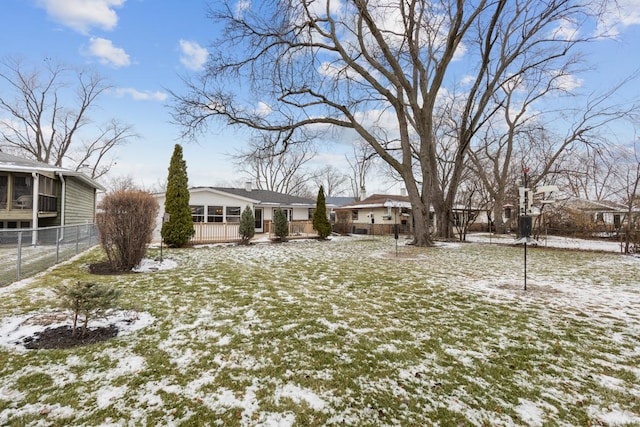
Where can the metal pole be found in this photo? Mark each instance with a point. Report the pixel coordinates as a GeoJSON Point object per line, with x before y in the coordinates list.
{"type": "Point", "coordinates": [525, 265]}
{"type": "Point", "coordinates": [57, 245]}
{"type": "Point", "coordinates": [19, 260]}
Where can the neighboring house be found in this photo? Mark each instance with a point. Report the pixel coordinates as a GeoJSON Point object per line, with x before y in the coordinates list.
{"type": "Point", "coordinates": [602, 212]}
{"type": "Point", "coordinates": [377, 214]}
{"type": "Point", "coordinates": [35, 194]}
{"type": "Point", "coordinates": [216, 211]}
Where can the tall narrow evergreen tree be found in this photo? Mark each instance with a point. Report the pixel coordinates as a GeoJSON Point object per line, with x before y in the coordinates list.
{"type": "Point", "coordinates": [320, 221]}
{"type": "Point", "coordinates": [281, 225]}
{"type": "Point", "coordinates": [247, 228]}
{"type": "Point", "coordinates": [178, 229]}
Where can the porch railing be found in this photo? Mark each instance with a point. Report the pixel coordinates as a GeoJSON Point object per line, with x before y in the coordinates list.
{"type": "Point", "coordinates": [297, 230]}
{"type": "Point", "coordinates": [222, 232]}
{"type": "Point", "coordinates": [215, 232]}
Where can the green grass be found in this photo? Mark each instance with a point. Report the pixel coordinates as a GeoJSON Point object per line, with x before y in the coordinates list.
{"type": "Point", "coordinates": [345, 333]}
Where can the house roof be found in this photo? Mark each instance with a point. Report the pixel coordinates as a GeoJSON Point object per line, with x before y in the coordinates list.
{"type": "Point", "coordinates": [10, 163]}
{"type": "Point", "coordinates": [262, 197]}
{"type": "Point", "coordinates": [380, 201]}
{"type": "Point", "coordinates": [594, 205]}
{"type": "Point", "coordinates": [339, 201]}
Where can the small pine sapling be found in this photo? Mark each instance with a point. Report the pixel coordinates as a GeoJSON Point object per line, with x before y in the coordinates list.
{"type": "Point", "coordinates": [86, 299]}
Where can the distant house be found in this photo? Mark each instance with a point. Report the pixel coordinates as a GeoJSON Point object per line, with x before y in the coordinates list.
{"type": "Point", "coordinates": [35, 194]}
{"type": "Point", "coordinates": [377, 214]}
{"type": "Point", "coordinates": [216, 212]}
{"type": "Point", "coordinates": [600, 213]}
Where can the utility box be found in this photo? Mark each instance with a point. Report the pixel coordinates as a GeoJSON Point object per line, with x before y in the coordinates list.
{"type": "Point", "coordinates": [525, 226]}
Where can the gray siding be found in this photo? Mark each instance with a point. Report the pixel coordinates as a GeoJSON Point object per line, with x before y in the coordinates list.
{"type": "Point", "coordinates": [80, 202]}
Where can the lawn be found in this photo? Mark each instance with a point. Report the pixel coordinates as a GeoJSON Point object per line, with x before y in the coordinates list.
{"type": "Point", "coordinates": [344, 332]}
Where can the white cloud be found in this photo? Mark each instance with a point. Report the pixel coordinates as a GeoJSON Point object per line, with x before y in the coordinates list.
{"type": "Point", "coordinates": [241, 7]}
{"type": "Point", "coordinates": [467, 80]}
{"type": "Point", "coordinates": [193, 55]}
{"type": "Point", "coordinates": [107, 53]}
{"type": "Point", "coordinates": [565, 30]}
{"type": "Point", "coordinates": [619, 15]}
{"type": "Point", "coordinates": [568, 82]}
{"type": "Point", "coordinates": [140, 96]}
{"type": "Point", "coordinates": [82, 15]}
{"type": "Point", "coordinates": [263, 109]}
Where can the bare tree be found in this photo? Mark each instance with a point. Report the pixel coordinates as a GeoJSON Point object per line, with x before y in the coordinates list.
{"type": "Point", "coordinates": [380, 69]}
{"type": "Point", "coordinates": [515, 138]}
{"type": "Point", "coordinates": [361, 160]}
{"type": "Point", "coordinates": [628, 183]}
{"type": "Point", "coordinates": [590, 174]}
{"type": "Point", "coordinates": [48, 119]}
{"type": "Point", "coordinates": [332, 180]}
{"type": "Point", "coordinates": [270, 167]}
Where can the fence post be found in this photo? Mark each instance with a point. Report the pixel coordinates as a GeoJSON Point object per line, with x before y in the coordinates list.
{"type": "Point", "coordinates": [57, 245]}
{"type": "Point", "coordinates": [19, 260]}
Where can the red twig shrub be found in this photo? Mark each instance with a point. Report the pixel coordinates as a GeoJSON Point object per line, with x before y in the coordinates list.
{"type": "Point", "coordinates": [126, 224]}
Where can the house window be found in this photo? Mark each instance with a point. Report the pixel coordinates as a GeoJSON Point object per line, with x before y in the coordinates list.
{"type": "Point", "coordinates": [215, 214]}
{"type": "Point", "coordinates": [233, 213]}
{"type": "Point", "coordinates": [288, 214]}
{"type": "Point", "coordinates": [311, 212]}
{"type": "Point", "coordinates": [507, 213]}
{"type": "Point", "coordinates": [47, 186]}
{"type": "Point", "coordinates": [4, 187]}
{"type": "Point", "coordinates": [616, 221]}
{"type": "Point", "coordinates": [600, 217]}
{"type": "Point", "coordinates": [354, 214]}
{"type": "Point", "coordinates": [197, 213]}
{"type": "Point", "coordinates": [22, 195]}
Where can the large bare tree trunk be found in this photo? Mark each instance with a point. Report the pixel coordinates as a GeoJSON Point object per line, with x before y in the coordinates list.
{"type": "Point", "coordinates": [383, 72]}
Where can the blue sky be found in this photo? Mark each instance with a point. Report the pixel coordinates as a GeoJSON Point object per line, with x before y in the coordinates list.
{"type": "Point", "coordinates": [143, 46]}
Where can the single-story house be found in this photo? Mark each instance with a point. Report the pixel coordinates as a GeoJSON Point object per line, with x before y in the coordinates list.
{"type": "Point", "coordinates": [216, 211]}
{"type": "Point", "coordinates": [35, 194]}
{"type": "Point", "coordinates": [598, 212]}
{"type": "Point", "coordinates": [376, 214]}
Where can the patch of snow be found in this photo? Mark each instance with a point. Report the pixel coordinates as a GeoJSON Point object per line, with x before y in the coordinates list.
{"type": "Point", "coordinates": [14, 329]}
{"type": "Point", "coordinates": [107, 395]}
{"type": "Point", "coordinates": [299, 394]}
{"type": "Point", "coordinates": [276, 420]}
{"type": "Point", "coordinates": [529, 412]}
{"type": "Point", "coordinates": [149, 265]}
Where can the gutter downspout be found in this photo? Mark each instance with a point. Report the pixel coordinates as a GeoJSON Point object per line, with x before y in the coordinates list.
{"type": "Point", "coordinates": [34, 207]}
{"type": "Point", "coordinates": [62, 205]}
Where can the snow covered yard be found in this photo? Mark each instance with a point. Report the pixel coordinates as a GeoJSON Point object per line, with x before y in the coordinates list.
{"type": "Point", "coordinates": [343, 333]}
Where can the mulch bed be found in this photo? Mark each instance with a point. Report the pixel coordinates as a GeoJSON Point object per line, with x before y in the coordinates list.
{"type": "Point", "coordinates": [61, 337]}
{"type": "Point", "coordinates": [104, 268]}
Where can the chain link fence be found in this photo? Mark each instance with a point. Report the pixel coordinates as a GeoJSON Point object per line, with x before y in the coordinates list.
{"type": "Point", "coordinates": [25, 252]}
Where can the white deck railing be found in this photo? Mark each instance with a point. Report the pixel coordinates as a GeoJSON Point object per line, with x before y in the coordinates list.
{"type": "Point", "coordinates": [215, 232]}
{"type": "Point", "coordinates": [222, 232]}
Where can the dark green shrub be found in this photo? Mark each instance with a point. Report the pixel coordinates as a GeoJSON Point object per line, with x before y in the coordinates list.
{"type": "Point", "coordinates": [247, 228]}
{"type": "Point", "coordinates": [320, 221]}
{"type": "Point", "coordinates": [280, 224]}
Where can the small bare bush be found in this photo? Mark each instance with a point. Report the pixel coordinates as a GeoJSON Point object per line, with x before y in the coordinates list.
{"type": "Point", "coordinates": [126, 224]}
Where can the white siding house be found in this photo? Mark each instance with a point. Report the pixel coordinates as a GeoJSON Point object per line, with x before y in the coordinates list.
{"type": "Point", "coordinates": [216, 211]}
